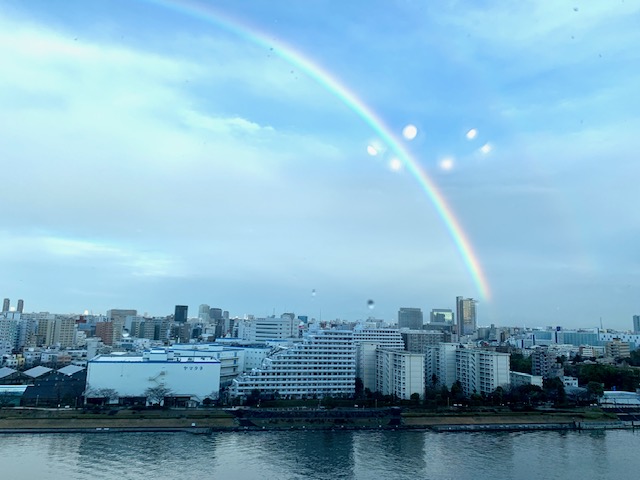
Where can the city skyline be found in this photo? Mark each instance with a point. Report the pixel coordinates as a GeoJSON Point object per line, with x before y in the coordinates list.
{"type": "Point", "coordinates": [160, 153]}
{"type": "Point", "coordinates": [408, 315]}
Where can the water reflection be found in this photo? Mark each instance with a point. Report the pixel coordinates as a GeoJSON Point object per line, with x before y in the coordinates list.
{"type": "Point", "coordinates": [321, 455]}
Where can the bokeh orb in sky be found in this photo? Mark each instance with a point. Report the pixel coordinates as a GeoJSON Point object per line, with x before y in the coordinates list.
{"type": "Point", "coordinates": [395, 164]}
{"type": "Point", "coordinates": [410, 131]}
{"type": "Point", "coordinates": [486, 148]}
{"type": "Point", "coordinates": [446, 164]}
{"type": "Point", "coordinates": [371, 150]}
{"type": "Point", "coordinates": [471, 134]}
{"type": "Point", "coordinates": [371, 304]}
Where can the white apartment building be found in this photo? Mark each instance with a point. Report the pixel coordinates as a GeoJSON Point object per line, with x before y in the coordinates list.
{"type": "Point", "coordinates": [367, 340]}
{"type": "Point", "coordinates": [481, 371]}
{"type": "Point", "coordinates": [477, 370]}
{"type": "Point", "coordinates": [263, 329]}
{"type": "Point", "coordinates": [388, 337]}
{"type": "Point", "coordinates": [324, 364]}
{"type": "Point", "coordinates": [195, 377]}
{"type": "Point", "coordinates": [399, 373]}
{"type": "Point", "coordinates": [440, 364]}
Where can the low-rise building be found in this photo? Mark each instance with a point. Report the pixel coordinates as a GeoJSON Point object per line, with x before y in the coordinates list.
{"type": "Point", "coordinates": [190, 378]}
{"type": "Point", "coordinates": [519, 379]}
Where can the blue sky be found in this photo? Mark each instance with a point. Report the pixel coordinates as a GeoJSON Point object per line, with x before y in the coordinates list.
{"type": "Point", "coordinates": [153, 156]}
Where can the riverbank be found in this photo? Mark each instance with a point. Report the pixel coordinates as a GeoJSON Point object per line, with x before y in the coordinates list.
{"type": "Point", "coordinates": [23, 420]}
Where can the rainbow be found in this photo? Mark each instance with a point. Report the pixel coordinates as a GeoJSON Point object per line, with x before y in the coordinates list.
{"type": "Point", "coordinates": [210, 15]}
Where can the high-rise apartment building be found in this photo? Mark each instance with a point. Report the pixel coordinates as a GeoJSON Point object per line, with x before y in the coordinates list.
{"type": "Point", "coordinates": [20, 306]}
{"type": "Point", "coordinates": [636, 324]}
{"type": "Point", "coordinates": [367, 340]}
{"type": "Point", "coordinates": [45, 329]}
{"type": "Point", "coordinates": [410, 318]}
{"type": "Point", "coordinates": [104, 330]}
{"type": "Point", "coordinates": [478, 371]}
{"type": "Point", "coordinates": [64, 332]}
{"type": "Point", "coordinates": [440, 364]}
{"type": "Point", "coordinates": [8, 334]}
{"type": "Point", "coordinates": [417, 341]}
{"type": "Point", "coordinates": [481, 371]}
{"type": "Point", "coordinates": [323, 365]}
{"type": "Point", "coordinates": [544, 362]}
{"type": "Point", "coordinates": [466, 315]}
{"type": "Point", "coordinates": [271, 328]}
{"type": "Point", "coordinates": [399, 373]}
{"type": "Point", "coordinates": [5, 305]}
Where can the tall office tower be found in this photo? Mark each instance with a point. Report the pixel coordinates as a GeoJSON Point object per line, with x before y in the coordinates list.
{"type": "Point", "coordinates": [410, 318]}
{"type": "Point", "coordinates": [636, 323]}
{"type": "Point", "coordinates": [20, 306]}
{"type": "Point", "coordinates": [466, 313]}
{"type": "Point", "coordinates": [117, 317]}
{"type": "Point", "coordinates": [181, 313]}
{"type": "Point", "coordinates": [215, 313]}
{"type": "Point", "coordinates": [5, 305]}
{"type": "Point", "coordinates": [203, 313]}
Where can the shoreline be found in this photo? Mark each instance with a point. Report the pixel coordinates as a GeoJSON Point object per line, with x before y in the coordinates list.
{"type": "Point", "coordinates": [32, 421]}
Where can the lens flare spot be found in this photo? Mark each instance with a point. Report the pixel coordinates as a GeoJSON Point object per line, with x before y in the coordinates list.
{"type": "Point", "coordinates": [371, 150]}
{"type": "Point", "coordinates": [410, 131]}
{"type": "Point", "coordinates": [486, 148]}
{"type": "Point", "coordinates": [471, 134]}
{"type": "Point", "coordinates": [313, 292]}
{"type": "Point", "coordinates": [446, 164]}
{"type": "Point", "coordinates": [371, 304]}
{"type": "Point", "coordinates": [395, 164]}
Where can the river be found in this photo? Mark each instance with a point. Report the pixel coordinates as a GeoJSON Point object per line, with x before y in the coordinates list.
{"type": "Point", "coordinates": [323, 455]}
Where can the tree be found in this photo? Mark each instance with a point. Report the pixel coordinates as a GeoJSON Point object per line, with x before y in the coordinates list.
{"type": "Point", "coordinates": [106, 394]}
{"type": "Point", "coordinates": [554, 388]}
{"type": "Point", "coordinates": [595, 389]}
{"type": "Point", "coordinates": [359, 387]}
{"type": "Point", "coordinates": [518, 363]}
{"type": "Point", "coordinates": [456, 392]}
{"type": "Point", "coordinates": [156, 395]}
{"type": "Point", "coordinates": [253, 398]}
